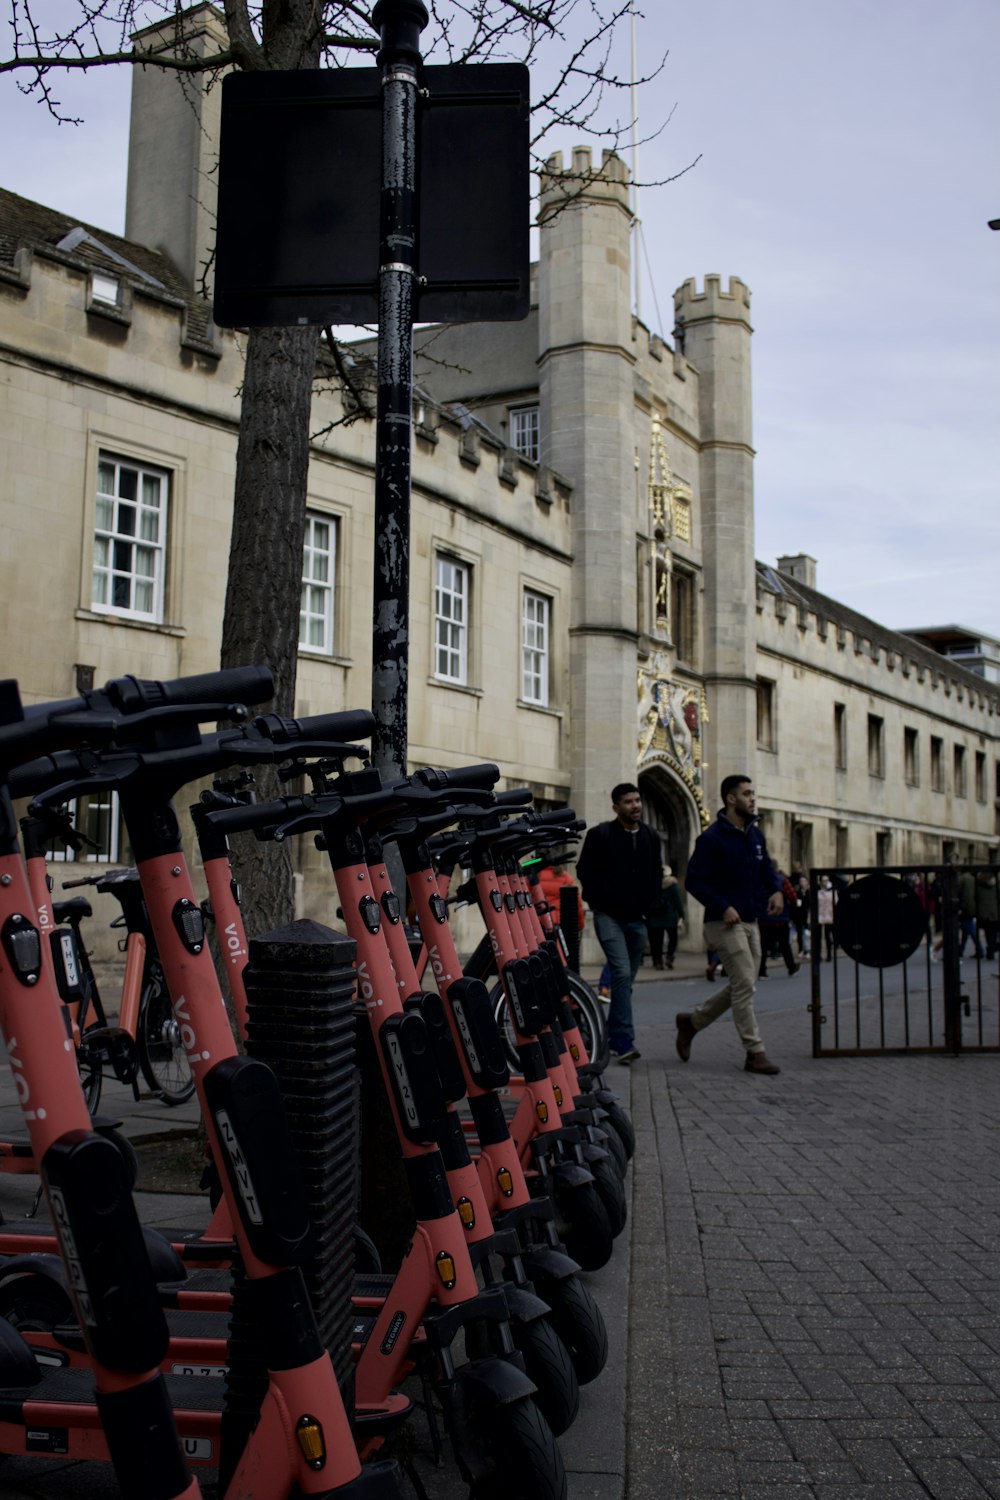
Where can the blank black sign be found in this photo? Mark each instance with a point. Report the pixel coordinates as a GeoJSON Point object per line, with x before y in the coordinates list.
{"type": "Point", "coordinates": [299, 184]}
{"type": "Point", "coordinates": [878, 921]}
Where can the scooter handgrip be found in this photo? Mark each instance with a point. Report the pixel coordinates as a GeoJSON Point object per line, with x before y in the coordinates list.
{"type": "Point", "coordinates": [339, 728]}
{"type": "Point", "coordinates": [251, 816]}
{"type": "Point", "coordinates": [247, 685]}
{"type": "Point", "coordinates": [36, 776]}
{"type": "Point", "coordinates": [482, 777]}
{"type": "Point", "coordinates": [515, 796]}
{"type": "Point", "coordinates": [561, 817]}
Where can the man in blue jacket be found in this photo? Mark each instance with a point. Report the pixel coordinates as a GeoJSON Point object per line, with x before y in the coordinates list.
{"type": "Point", "coordinates": [731, 874]}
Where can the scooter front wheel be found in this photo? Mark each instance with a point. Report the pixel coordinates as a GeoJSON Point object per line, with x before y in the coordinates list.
{"type": "Point", "coordinates": [583, 1226]}
{"type": "Point", "coordinates": [522, 1456]}
{"type": "Point", "coordinates": [612, 1192]}
{"type": "Point", "coordinates": [620, 1121]}
{"type": "Point", "coordinates": [578, 1321]}
{"type": "Point", "coordinates": [547, 1363]}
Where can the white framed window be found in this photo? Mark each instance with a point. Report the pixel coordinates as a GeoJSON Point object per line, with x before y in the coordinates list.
{"type": "Point", "coordinates": [319, 562]}
{"type": "Point", "coordinates": [536, 612]}
{"type": "Point", "coordinates": [130, 536]}
{"type": "Point", "coordinates": [524, 431]}
{"type": "Point", "coordinates": [451, 620]}
{"type": "Point", "coordinates": [98, 817]}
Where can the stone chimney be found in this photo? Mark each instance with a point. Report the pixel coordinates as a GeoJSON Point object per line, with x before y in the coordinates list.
{"type": "Point", "coordinates": [801, 567]}
{"type": "Point", "coordinates": [173, 147]}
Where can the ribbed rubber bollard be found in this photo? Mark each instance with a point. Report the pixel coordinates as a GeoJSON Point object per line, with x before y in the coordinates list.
{"type": "Point", "coordinates": [300, 985]}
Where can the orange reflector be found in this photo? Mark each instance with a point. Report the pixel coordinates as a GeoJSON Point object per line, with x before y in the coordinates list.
{"type": "Point", "coordinates": [311, 1441]}
{"type": "Point", "coordinates": [558, 1093]}
{"type": "Point", "coordinates": [574, 1052]}
{"type": "Point", "coordinates": [505, 1182]}
{"type": "Point", "coordinates": [542, 1110]}
{"type": "Point", "coordinates": [466, 1212]}
{"type": "Point", "coordinates": [446, 1269]}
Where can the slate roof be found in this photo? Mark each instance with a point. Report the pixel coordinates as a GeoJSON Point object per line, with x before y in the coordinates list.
{"type": "Point", "coordinates": [823, 607]}
{"type": "Point", "coordinates": [61, 236]}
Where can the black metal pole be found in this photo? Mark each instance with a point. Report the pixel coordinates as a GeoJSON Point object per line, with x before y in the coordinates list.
{"type": "Point", "coordinates": [400, 23]}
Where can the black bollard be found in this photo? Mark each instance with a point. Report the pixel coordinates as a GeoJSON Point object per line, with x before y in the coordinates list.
{"type": "Point", "coordinates": [569, 921]}
{"type": "Point", "coordinates": [300, 984]}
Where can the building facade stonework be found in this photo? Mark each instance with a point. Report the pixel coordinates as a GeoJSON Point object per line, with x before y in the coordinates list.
{"type": "Point", "coordinates": [586, 606]}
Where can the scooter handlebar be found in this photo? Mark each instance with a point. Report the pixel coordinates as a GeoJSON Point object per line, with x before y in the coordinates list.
{"type": "Point", "coordinates": [340, 729]}
{"type": "Point", "coordinates": [515, 796]}
{"type": "Point", "coordinates": [247, 685]}
{"type": "Point", "coordinates": [481, 777]}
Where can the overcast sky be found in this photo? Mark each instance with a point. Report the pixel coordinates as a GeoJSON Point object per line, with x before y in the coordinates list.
{"type": "Point", "coordinates": [849, 165]}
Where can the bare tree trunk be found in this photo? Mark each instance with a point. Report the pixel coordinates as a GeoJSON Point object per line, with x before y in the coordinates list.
{"type": "Point", "coordinates": [261, 621]}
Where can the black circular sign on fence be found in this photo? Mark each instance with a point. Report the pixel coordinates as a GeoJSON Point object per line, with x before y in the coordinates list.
{"type": "Point", "coordinates": [878, 921]}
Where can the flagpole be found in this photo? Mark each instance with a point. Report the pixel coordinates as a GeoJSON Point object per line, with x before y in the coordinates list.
{"type": "Point", "coordinates": [633, 104]}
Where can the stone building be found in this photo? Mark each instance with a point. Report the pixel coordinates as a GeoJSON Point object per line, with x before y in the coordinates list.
{"type": "Point", "coordinates": [585, 602]}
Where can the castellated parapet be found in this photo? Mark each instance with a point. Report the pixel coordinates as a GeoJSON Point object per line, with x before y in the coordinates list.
{"type": "Point", "coordinates": [733, 306]}
{"type": "Point", "coordinates": [583, 183]}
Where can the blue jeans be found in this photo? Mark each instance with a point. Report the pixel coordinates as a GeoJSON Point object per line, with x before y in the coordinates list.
{"type": "Point", "coordinates": [970, 929]}
{"type": "Point", "coordinates": [624, 944]}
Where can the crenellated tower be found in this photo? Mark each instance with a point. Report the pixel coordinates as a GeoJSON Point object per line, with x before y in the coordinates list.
{"type": "Point", "coordinates": [713, 331]}
{"type": "Point", "coordinates": [586, 403]}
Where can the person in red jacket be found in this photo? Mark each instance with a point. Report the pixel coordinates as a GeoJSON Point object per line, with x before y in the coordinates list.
{"type": "Point", "coordinates": [552, 878]}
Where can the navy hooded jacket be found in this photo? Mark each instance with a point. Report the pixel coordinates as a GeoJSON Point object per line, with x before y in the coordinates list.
{"type": "Point", "coordinates": [730, 866]}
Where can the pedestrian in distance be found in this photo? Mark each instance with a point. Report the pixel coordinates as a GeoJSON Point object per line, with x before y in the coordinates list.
{"type": "Point", "coordinates": [988, 910]}
{"type": "Point", "coordinates": [826, 900]}
{"type": "Point", "coordinates": [968, 923]}
{"type": "Point", "coordinates": [776, 934]}
{"type": "Point", "coordinates": [732, 875]}
{"type": "Point", "coordinates": [664, 920]}
{"type": "Point", "coordinates": [620, 869]}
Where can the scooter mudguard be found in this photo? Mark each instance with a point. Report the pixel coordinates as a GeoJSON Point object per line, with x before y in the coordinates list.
{"type": "Point", "coordinates": [18, 1366]}
{"type": "Point", "coordinates": [496, 1380]}
{"type": "Point", "coordinates": [36, 1263]}
{"type": "Point", "coordinates": [570, 1174]}
{"type": "Point", "coordinates": [593, 1152]}
{"type": "Point", "coordinates": [524, 1306]}
{"type": "Point", "coordinates": [544, 1263]}
{"type": "Point", "coordinates": [166, 1263]}
{"type": "Point", "coordinates": [377, 1481]}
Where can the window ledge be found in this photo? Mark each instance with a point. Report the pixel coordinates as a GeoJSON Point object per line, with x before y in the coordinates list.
{"type": "Point", "coordinates": [109, 617]}
{"type": "Point", "coordinates": [328, 656]}
{"type": "Point", "coordinates": [540, 708]}
{"type": "Point", "coordinates": [455, 687]}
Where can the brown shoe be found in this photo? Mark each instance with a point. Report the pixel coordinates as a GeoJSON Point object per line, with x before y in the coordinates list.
{"type": "Point", "coordinates": [685, 1035]}
{"type": "Point", "coordinates": [710, 970]}
{"type": "Point", "coordinates": [757, 1062]}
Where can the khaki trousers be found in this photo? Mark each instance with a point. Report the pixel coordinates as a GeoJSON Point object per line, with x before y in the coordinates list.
{"type": "Point", "coordinates": [738, 948]}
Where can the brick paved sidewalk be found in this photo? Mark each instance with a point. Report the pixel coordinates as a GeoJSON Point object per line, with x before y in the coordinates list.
{"type": "Point", "coordinates": [824, 1248]}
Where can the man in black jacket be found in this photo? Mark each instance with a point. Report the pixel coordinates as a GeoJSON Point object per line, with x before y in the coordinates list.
{"type": "Point", "coordinates": [731, 874]}
{"type": "Point", "coordinates": [620, 870]}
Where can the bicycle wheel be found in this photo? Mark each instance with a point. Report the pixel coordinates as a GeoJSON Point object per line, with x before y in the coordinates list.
{"type": "Point", "coordinates": [502, 1016]}
{"type": "Point", "coordinates": [548, 1364]}
{"type": "Point", "coordinates": [88, 1061]}
{"type": "Point", "coordinates": [578, 1321]}
{"type": "Point", "coordinates": [590, 1017]}
{"type": "Point", "coordinates": [161, 1054]}
{"type": "Point", "coordinates": [521, 1454]}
